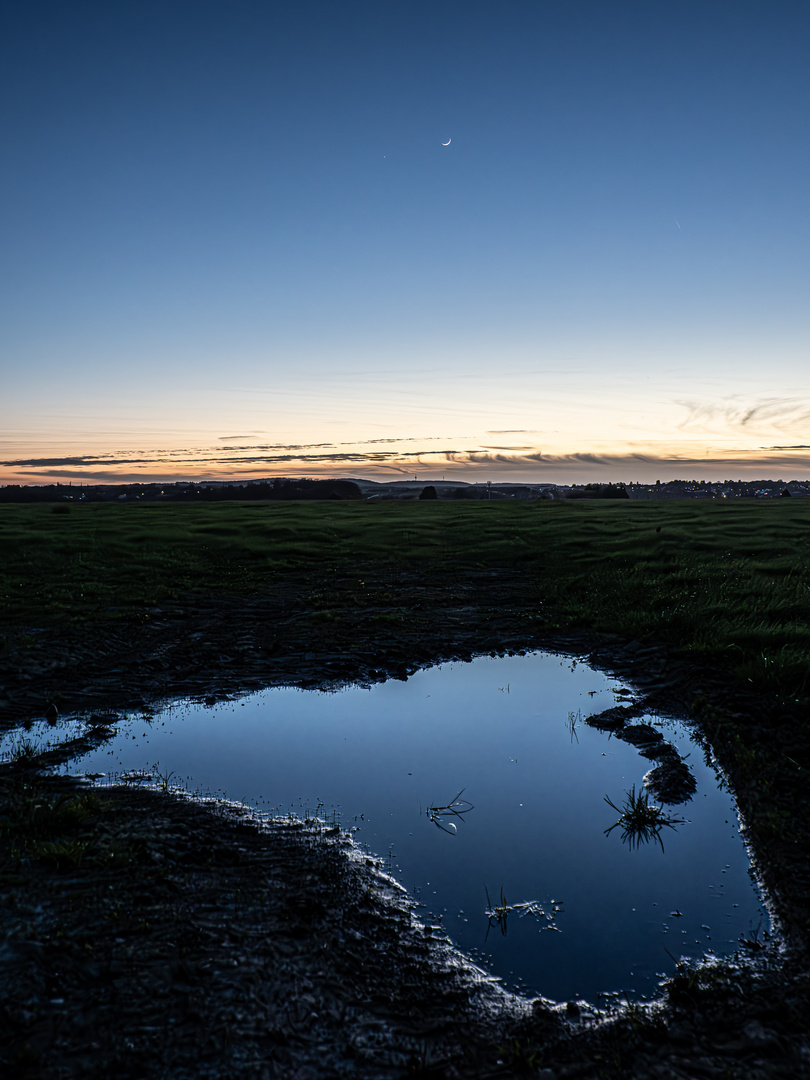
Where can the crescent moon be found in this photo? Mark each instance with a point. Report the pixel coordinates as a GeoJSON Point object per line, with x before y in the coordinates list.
{"type": "Point", "coordinates": [447, 143]}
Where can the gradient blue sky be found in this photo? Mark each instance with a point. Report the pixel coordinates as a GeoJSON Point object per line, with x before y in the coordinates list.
{"type": "Point", "coordinates": [233, 244]}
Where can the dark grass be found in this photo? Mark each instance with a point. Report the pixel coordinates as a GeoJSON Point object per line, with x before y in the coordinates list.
{"type": "Point", "coordinates": [729, 580]}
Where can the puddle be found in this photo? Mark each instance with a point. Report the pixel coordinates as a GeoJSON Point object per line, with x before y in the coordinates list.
{"type": "Point", "coordinates": [485, 790]}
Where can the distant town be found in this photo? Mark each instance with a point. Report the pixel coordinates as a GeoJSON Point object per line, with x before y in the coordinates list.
{"type": "Point", "coordinates": [291, 488]}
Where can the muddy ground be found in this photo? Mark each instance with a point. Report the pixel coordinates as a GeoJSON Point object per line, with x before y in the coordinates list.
{"type": "Point", "coordinates": [157, 937]}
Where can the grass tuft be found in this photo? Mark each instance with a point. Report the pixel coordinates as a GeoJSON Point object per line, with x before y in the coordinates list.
{"type": "Point", "coordinates": [640, 820]}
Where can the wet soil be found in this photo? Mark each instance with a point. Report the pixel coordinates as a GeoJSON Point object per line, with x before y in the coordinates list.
{"type": "Point", "coordinates": [158, 937]}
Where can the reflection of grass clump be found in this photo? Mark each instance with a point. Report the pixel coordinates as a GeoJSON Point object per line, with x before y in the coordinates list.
{"type": "Point", "coordinates": [24, 753]}
{"type": "Point", "coordinates": [456, 808]}
{"type": "Point", "coordinates": [498, 914]}
{"type": "Point", "coordinates": [640, 820]}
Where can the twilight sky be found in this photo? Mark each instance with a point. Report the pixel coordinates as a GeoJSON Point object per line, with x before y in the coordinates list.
{"type": "Point", "coordinates": [233, 245]}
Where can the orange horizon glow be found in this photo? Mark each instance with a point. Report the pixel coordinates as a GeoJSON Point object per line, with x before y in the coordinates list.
{"type": "Point", "coordinates": [244, 462]}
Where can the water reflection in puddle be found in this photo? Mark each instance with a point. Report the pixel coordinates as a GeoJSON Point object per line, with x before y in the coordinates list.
{"type": "Point", "coordinates": [486, 791]}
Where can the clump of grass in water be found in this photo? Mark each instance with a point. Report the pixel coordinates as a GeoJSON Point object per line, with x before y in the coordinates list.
{"type": "Point", "coordinates": [497, 914]}
{"type": "Point", "coordinates": [640, 820]}
{"type": "Point", "coordinates": [164, 778]}
{"type": "Point", "coordinates": [24, 753]}
{"type": "Point", "coordinates": [571, 724]}
{"type": "Point", "coordinates": [457, 807]}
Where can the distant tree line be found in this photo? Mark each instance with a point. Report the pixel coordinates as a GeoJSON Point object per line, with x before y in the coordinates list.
{"type": "Point", "coordinates": [287, 490]}
{"type": "Point", "coordinates": [598, 491]}
{"type": "Point", "coordinates": [278, 489]}
{"type": "Point", "coordinates": [18, 493]}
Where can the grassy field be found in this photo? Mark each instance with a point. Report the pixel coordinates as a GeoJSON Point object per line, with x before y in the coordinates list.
{"type": "Point", "coordinates": [731, 580]}
{"type": "Point", "coordinates": [727, 582]}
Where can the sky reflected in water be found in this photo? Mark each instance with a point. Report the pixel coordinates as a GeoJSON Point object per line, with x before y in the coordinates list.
{"type": "Point", "coordinates": [503, 736]}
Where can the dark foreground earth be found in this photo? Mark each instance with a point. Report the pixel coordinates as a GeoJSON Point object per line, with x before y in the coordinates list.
{"type": "Point", "coordinates": [147, 935]}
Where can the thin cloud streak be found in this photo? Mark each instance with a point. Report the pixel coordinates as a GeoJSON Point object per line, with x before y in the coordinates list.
{"type": "Point", "coordinates": [507, 449]}
{"type": "Point", "coordinates": [256, 451]}
{"type": "Point", "coordinates": [78, 462]}
{"type": "Point", "coordinates": [786, 414]}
